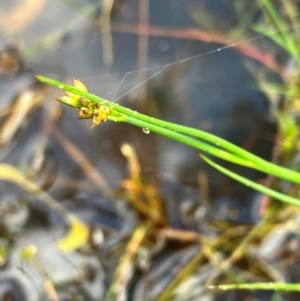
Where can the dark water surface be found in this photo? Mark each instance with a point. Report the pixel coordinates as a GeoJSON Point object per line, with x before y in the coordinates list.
{"type": "Point", "coordinates": [214, 93]}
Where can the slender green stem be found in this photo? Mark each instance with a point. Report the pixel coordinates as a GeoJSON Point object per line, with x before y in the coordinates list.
{"type": "Point", "coordinates": [242, 156]}
{"type": "Point", "coordinates": [202, 146]}
{"type": "Point", "coordinates": [287, 287]}
{"type": "Point", "coordinates": [265, 190]}
{"type": "Point", "coordinates": [288, 40]}
{"type": "Point", "coordinates": [253, 160]}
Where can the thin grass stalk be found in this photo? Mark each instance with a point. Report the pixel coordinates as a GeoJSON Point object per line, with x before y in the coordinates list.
{"type": "Point", "coordinates": [243, 157]}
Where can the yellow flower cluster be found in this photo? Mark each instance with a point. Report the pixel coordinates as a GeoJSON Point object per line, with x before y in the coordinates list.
{"type": "Point", "coordinates": [87, 109]}
{"type": "Point", "coordinates": [93, 110]}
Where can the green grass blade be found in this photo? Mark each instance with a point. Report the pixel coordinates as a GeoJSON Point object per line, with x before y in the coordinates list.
{"type": "Point", "coordinates": [258, 187]}
{"type": "Point", "coordinates": [287, 37]}
{"type": "Point", "coordinates": [195, 143]}
{"type": "Point", "coordinates": [271, 34]}
{"type": "Point", "coordinates": [257, 163]}
{"type": "Point", "coordinates": [176, 132]}
{"type": "Point", "coordinates": [286, 287]}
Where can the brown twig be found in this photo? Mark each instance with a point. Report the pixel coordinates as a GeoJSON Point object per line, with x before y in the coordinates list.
{"type": "Point", "coordinates": [200, 35]}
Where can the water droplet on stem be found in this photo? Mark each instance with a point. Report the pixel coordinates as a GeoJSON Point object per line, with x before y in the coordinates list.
{"type": "Point", "coordinates": [146, 130]}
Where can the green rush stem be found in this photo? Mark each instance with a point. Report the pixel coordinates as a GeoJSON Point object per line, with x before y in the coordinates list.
{"type": "Point", "coordinates": [265, 190]}
{"type": "Point", "coordinates": [256, 162]}
{"type": "Point", "coordinates": [177, 132]}
{"type": "Point", "coordinates": [287, 38]}
{"type": "Point", "coordinates": [284, 287]}
{"type": "Point", "coordinates": [202, 146]}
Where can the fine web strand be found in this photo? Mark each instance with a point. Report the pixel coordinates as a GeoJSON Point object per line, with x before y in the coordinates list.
{"type": "Point", "coordinates": [163, 68]}
{"type": "Point", "coordinates": [116, 89]}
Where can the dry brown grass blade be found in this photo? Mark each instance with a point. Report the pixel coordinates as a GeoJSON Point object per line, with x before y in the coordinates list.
{"type": "Point", "coordinates": [23, 105]}
{"type": "Point", "coordinates": [239, 250]}
{"type": "Point", "coordinates": [179, 235]}
{"type": "Point", "coordinates": [143, 197]}
{"type": "Point", "coordinates": [133, 163]}
{"type": "Point", "coordinates": [143, 41]}
{"type": "Point", "coordinates": [200, 35]}
{"type": "Point", "coordinates": [107, 42]}
{"type": "Point", "coordinates": [124, 270]}
{"type": "Point", "coordinates": [79, 232]}
{"type": "Point", "coordinates": [50, 289]}
{"type": "Point", "coordinates": [82, 161]}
